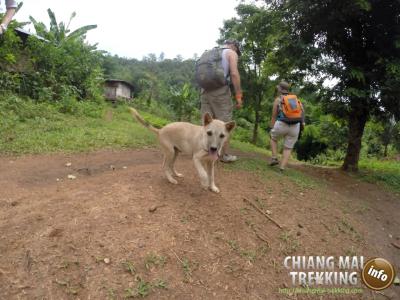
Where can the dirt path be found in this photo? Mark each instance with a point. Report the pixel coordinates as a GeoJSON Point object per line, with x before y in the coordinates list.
{"type": "Point", "coordinates": [95, 237]}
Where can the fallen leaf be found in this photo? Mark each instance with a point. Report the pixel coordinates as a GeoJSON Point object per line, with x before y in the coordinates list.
{"type": "Point", "coordinates": [153, 208]}
{"type": "Point", "coordinates": [55, 232]}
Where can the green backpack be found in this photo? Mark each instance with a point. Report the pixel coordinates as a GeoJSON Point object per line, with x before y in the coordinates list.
{"type": "Point", "coordinates": [209, 71]}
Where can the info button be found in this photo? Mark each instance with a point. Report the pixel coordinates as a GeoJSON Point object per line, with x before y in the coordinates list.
{"type": "Point", "coordinates": [378, 274]}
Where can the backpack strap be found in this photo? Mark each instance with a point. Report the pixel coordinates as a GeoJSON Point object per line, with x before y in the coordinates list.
{"type": "Point", "coordinates": [280, 113]}
{"type": "Point", "coordinates": [281, 100]}
{"type": "Point", "coordinates": [228, 75]}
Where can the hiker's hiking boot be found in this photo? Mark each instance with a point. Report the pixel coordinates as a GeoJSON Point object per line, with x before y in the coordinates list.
{"type": "Point", "coordinates": [274, 162]}
{"type": "Point", "coordinates": [227, 158]}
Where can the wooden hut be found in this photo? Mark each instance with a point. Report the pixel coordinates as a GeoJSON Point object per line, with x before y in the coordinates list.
{"type": "Point", "coordinates": [115, 89]}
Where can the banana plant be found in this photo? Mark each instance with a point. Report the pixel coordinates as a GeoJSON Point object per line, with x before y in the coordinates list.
{"type": "Point", "coordinates": [59, 32]}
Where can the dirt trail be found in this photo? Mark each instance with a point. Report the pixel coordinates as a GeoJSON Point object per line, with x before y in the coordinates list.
{"type": "Point", "coordinates": [120, 228]}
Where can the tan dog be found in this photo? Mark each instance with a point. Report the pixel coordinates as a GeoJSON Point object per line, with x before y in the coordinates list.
{"type": "Point", "coordinates": [204, 143]}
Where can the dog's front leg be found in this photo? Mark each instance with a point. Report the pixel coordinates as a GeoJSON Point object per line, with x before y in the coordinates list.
{"type": "Point", "coordinates": [210, 171]}
{"type": "Point", "coordinates": [201, 171]}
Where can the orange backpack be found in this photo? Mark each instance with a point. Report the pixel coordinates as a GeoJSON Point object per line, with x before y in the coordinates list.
{"type": "Point", "coordinates": [290, 109]}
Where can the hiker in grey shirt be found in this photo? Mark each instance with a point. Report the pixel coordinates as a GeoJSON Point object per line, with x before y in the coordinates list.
{"type": "Point", "coordinates": [218, 102]}
{"type": "Point", "coordinates": [11, 6]}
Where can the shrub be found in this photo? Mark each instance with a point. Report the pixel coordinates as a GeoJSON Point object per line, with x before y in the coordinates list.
{"type": "Point", "coordinates": [311, 144]}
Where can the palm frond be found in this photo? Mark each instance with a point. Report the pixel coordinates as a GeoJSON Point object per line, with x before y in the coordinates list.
{"type": "Point", "coordinates": [53, 24]}
{"type": "Point", "coordinates": [81, 31]}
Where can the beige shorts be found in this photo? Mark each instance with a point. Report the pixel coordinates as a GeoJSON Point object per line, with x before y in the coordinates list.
{"type": "Point", "coordinates": [218, 103]}
{"type": "Point", "coordinates": [289, 132]}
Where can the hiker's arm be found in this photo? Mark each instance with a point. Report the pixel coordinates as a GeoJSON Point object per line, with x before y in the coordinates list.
{"type": "Point", "coordinates": [7, 18]}
{"type": "Point", "coordinates": [274, 112]}
{"type": "Point", "coordinates": [235, 77]}
{"type": "Point", "coordinates": [303, 115]}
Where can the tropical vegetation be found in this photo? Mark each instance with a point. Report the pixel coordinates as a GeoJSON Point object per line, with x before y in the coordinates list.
{"type": "Point", "coordinates": [341, 57]}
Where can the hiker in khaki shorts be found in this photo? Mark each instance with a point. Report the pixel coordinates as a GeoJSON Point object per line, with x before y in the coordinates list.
{"type": "Point", "coordinates": [285, 126]}
{"type": "Point", "coordinates": [218, 102]}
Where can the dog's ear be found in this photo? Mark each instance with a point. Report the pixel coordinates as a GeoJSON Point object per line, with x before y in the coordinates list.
{"type": "Point", "coordinates": [207, 119]}
{"type": "Point", "coordinates": [230, 125]}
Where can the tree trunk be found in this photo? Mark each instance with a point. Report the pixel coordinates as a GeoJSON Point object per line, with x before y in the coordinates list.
{"type": "Point", "coordinates": [257, 120]}
{"type": "Point", "coordinates": [357, 119]}
{"type": "Point", "coordinates": [148, 100]}
{"type": "Point", "coordinates": [255, 128]}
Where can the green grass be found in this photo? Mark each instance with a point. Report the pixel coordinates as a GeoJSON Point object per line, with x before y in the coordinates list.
{"type": "Point", "coordinates": [28, 127]}
{"type": "Point", "coordinates": [290, 244]}
{"type": "Point", "coordinates": [129, 267]}
{"type": "Point", "coordinates": [153, 260]}
{"type": "Point", "coordinates": [261, 167]}
{"type": "Point", "coordinates": [247, 147]}
{"type": "Point", "coordinates": [144, 288]}
{"type": "Point", "coordinates": [386, 173]}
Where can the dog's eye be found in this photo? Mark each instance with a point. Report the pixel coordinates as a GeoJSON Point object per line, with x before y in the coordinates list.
{"type": "Point", "coordinates": [222, 135]}
{"type": "Point", "coordinates": [209, 133]}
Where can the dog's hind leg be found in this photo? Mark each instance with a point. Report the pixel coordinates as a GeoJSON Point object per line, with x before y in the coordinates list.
{"type": "Point", "coordinates": [169, 154]}
{"type": "Point", "coordinates": [173, 163]}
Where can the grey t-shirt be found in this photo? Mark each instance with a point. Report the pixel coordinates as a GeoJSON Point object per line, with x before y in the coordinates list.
{"type": "Point", "coordinates": [10, 3]}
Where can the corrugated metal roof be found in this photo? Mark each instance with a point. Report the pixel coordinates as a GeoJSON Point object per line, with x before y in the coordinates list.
{"type": "Point", "coordinates": [22, 31]}
{"type": "Point", "coordinates": [122, 81]}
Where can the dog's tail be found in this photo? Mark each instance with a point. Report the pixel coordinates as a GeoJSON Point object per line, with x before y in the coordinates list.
{"type": "Point", "coordinates": [142, 121]}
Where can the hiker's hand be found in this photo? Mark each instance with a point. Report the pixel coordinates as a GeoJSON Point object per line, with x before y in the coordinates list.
{"type": "Point", "coordinates": [271, 125]}
{"type": "Point", "coordinates": [239, 104]}
{"type": "Point", "coordinates": [302, 125]}
{"type": "Point", "coordinates": [239, 100]}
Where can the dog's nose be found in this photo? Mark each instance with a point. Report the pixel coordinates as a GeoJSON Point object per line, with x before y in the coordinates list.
{"type": "Point", "coordinates": [213, 149]}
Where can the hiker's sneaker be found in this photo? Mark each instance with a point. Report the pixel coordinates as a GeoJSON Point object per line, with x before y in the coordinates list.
{"type": "Point", "coordinates": [227, 158]}
{"type": "Point", "coordinates": [274, 162]}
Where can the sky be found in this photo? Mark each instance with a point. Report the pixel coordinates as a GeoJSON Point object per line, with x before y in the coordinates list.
{"type": "Point", "coordinates": [136, 28]}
